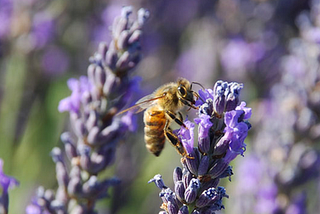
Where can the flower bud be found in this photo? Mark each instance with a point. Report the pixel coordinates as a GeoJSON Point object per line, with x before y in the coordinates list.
{"type": "Point", "coordinates": [218, 168]}
{"type": "Point", "coordinates": [91, 73]}
{"type": "Point", "coordinates": [70, 149]}
{"type": "Point", "coordinates": [207, 197]}
{"type": "Point", "coordinates": [99, 77]}
{"type": "Point", "coordinates": [61, 195]}
{"type": "Point", "coordinates": [232, 95]}
{"type": "Point", "coordinates": [157, 179]}
{"type": "Point", "coordinates": [86, 98]}
{"type": "Point", "coordinates": [183, 210]}
{"type": "Point", "coordinates": [79, 209]}
{"type": "Point", "coordinates": [112, 56]}
{"type": "Point", "coordinates": [186, 178]}
{"type": "Point", "coordinates": [93, 135]}
{"type": "Point", "coordinates": [172, 207]}
{"type": "Point", "coordinates": [222, 145]}
{"type": "Point", "coordinates": [177, 174]}
{"type": "Point", "coordinates": [179, 190]}
{"type": "Point", "coordinates": [102, 49]}
{"type": "Point", "coordinates": [123, 40]}
{"type": "Point", "coordinates": [192, 191]}
{"type": "Point", "coordinates": [193, 163]}
{"type": "Point", "coordinates": [91, 186]}
{"type": "Point", "coordinates": [123, 61]}
{"type": "Point", "coordinates": [75, 186]}
{"type": "Point", "coordinates": [57, 205]}
{"type": "Point", "coordinates": [62, 174]}
{"type": "Point", "coordinates": [203, 166]}
{"type": "Point", "coordinates": [120, 23]}
{"type": "Point", "coordinates": [80, 128]}
{"type": "Point", "coordinates": [219, 101]}
{"type": "Point", "coordinates": [143, 15]}
{"type": "Point", "coordinates": [126, 11]}
{"type": "Point", "coordinates": [56, 155]}
{"type": "Point", "coordinates": [85, 161]}
{"type": "Point", "coordinates": [110, 83]}
{"type": "Point", "coordinates": [135, 37]}
{"type": "Point", "coordinates": [92, 121]}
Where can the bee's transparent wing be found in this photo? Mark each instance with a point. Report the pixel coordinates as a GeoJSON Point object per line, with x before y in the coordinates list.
{"type": "Point", "coordinates": [143, 103]}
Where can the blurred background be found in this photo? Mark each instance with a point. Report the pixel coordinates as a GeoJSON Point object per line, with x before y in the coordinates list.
{"type": "Point", "coordinates": [272, 46]}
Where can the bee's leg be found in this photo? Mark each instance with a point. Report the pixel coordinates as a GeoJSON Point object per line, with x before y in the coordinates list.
{"type": "Point", "coordinates": [177, 120]}
{"type": "Point", "coordinates": [188, 104]}
{"type": "Point", "coordinates": [174, 140]}
{"type": "Point", "coordinates": [180, 116]}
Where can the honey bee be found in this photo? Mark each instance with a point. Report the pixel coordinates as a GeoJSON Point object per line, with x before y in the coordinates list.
{"type": "Point", "coordinates": [161, 107]}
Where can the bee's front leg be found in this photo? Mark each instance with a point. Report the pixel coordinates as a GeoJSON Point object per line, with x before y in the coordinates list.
{"type": "Point", "coordinates": [188, 104]}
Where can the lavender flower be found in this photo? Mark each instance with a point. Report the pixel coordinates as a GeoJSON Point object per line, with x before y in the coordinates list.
{"type": "Point", "coordinates": [289, 159]}
{"type": "Point", "coordinates": [6, 182]}
{"type": "Point", "coordinates": [222, 128]}
{"type": "Point", "coordinates": [42, 30]}
{"type": "Point", "coordinates": [244, 56]}
{"type": "Point", "coordinates": [6, 10]}
{"type": "Point", "coordinates": [55, 61]}
{"type": "Point", "coordinates": [78, 88]}
{"type": "Point", "coordinates": [93, 104]}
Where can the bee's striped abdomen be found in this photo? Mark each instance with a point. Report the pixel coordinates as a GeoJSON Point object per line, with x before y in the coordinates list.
{"type": "Point", "coordinates": [155, 122]}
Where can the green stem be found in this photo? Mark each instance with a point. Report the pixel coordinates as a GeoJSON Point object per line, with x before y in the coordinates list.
{"type": "Point", "coordinates": [191, 207]}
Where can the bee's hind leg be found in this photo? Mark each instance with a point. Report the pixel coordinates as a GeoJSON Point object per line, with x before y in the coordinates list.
{"type": "Point", "coordinates": [174, 140]}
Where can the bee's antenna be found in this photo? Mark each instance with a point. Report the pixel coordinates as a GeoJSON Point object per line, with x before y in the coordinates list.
{"type": "Point", "coordinates": [197, 84]}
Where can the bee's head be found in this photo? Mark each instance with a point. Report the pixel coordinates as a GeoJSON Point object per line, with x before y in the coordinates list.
{"type": "Point", "coordinates": [185, 93]}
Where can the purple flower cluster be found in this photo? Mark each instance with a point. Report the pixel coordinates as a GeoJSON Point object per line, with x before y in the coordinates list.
{"type": "Point", "coordinates": [5, 182]}
{"type": "Point", "coordinates": [285, 152]}
{"type": "Point", "coordinates": [222, 129]}
{"type": "Point", "coordinates": [93, 105]}
{"type": "Point", "coordinates": [6, 9]}
{"type": "Point", "coordinates": [36, 28]}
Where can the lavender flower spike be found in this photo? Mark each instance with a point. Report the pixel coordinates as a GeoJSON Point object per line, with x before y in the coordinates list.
{"type": "Point", "coordinates": [222, 129]}
{"type": "Point", "coordinates": [93, 104]}
{"type": "Point", "coordinates": [5, 182]}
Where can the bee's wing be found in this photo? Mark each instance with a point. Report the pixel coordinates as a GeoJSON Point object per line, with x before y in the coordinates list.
{"type": "Point", "coordinates": [143, 103]}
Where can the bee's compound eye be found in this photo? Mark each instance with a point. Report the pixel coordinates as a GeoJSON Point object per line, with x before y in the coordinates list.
{"type": "Point", "coordinates": [182, 91]}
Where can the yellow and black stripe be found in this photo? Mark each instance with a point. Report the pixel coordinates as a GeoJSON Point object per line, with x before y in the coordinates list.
{"type": "Point", "coordinates": [155, 121]}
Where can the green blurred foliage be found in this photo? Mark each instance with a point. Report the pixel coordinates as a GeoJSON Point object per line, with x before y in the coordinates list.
{"type": "Point", "coordinates": [27, 153]}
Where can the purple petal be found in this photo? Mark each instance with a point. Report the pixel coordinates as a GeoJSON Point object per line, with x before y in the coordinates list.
{"type": "Point", "coordinates": [129, 121]}
{"type": "Point", "coordinates": [247, 111]}
{"type": "Point", "coordinates": [186, 136]}
{"type": "Point", "coordinates": [78, 88]}
{"type": "Point", "coordinates": [204, 95]}
{"type": "Point", "coordinates": [204, 125]}
{"type": "Point", "coordinates": [5, 180]}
